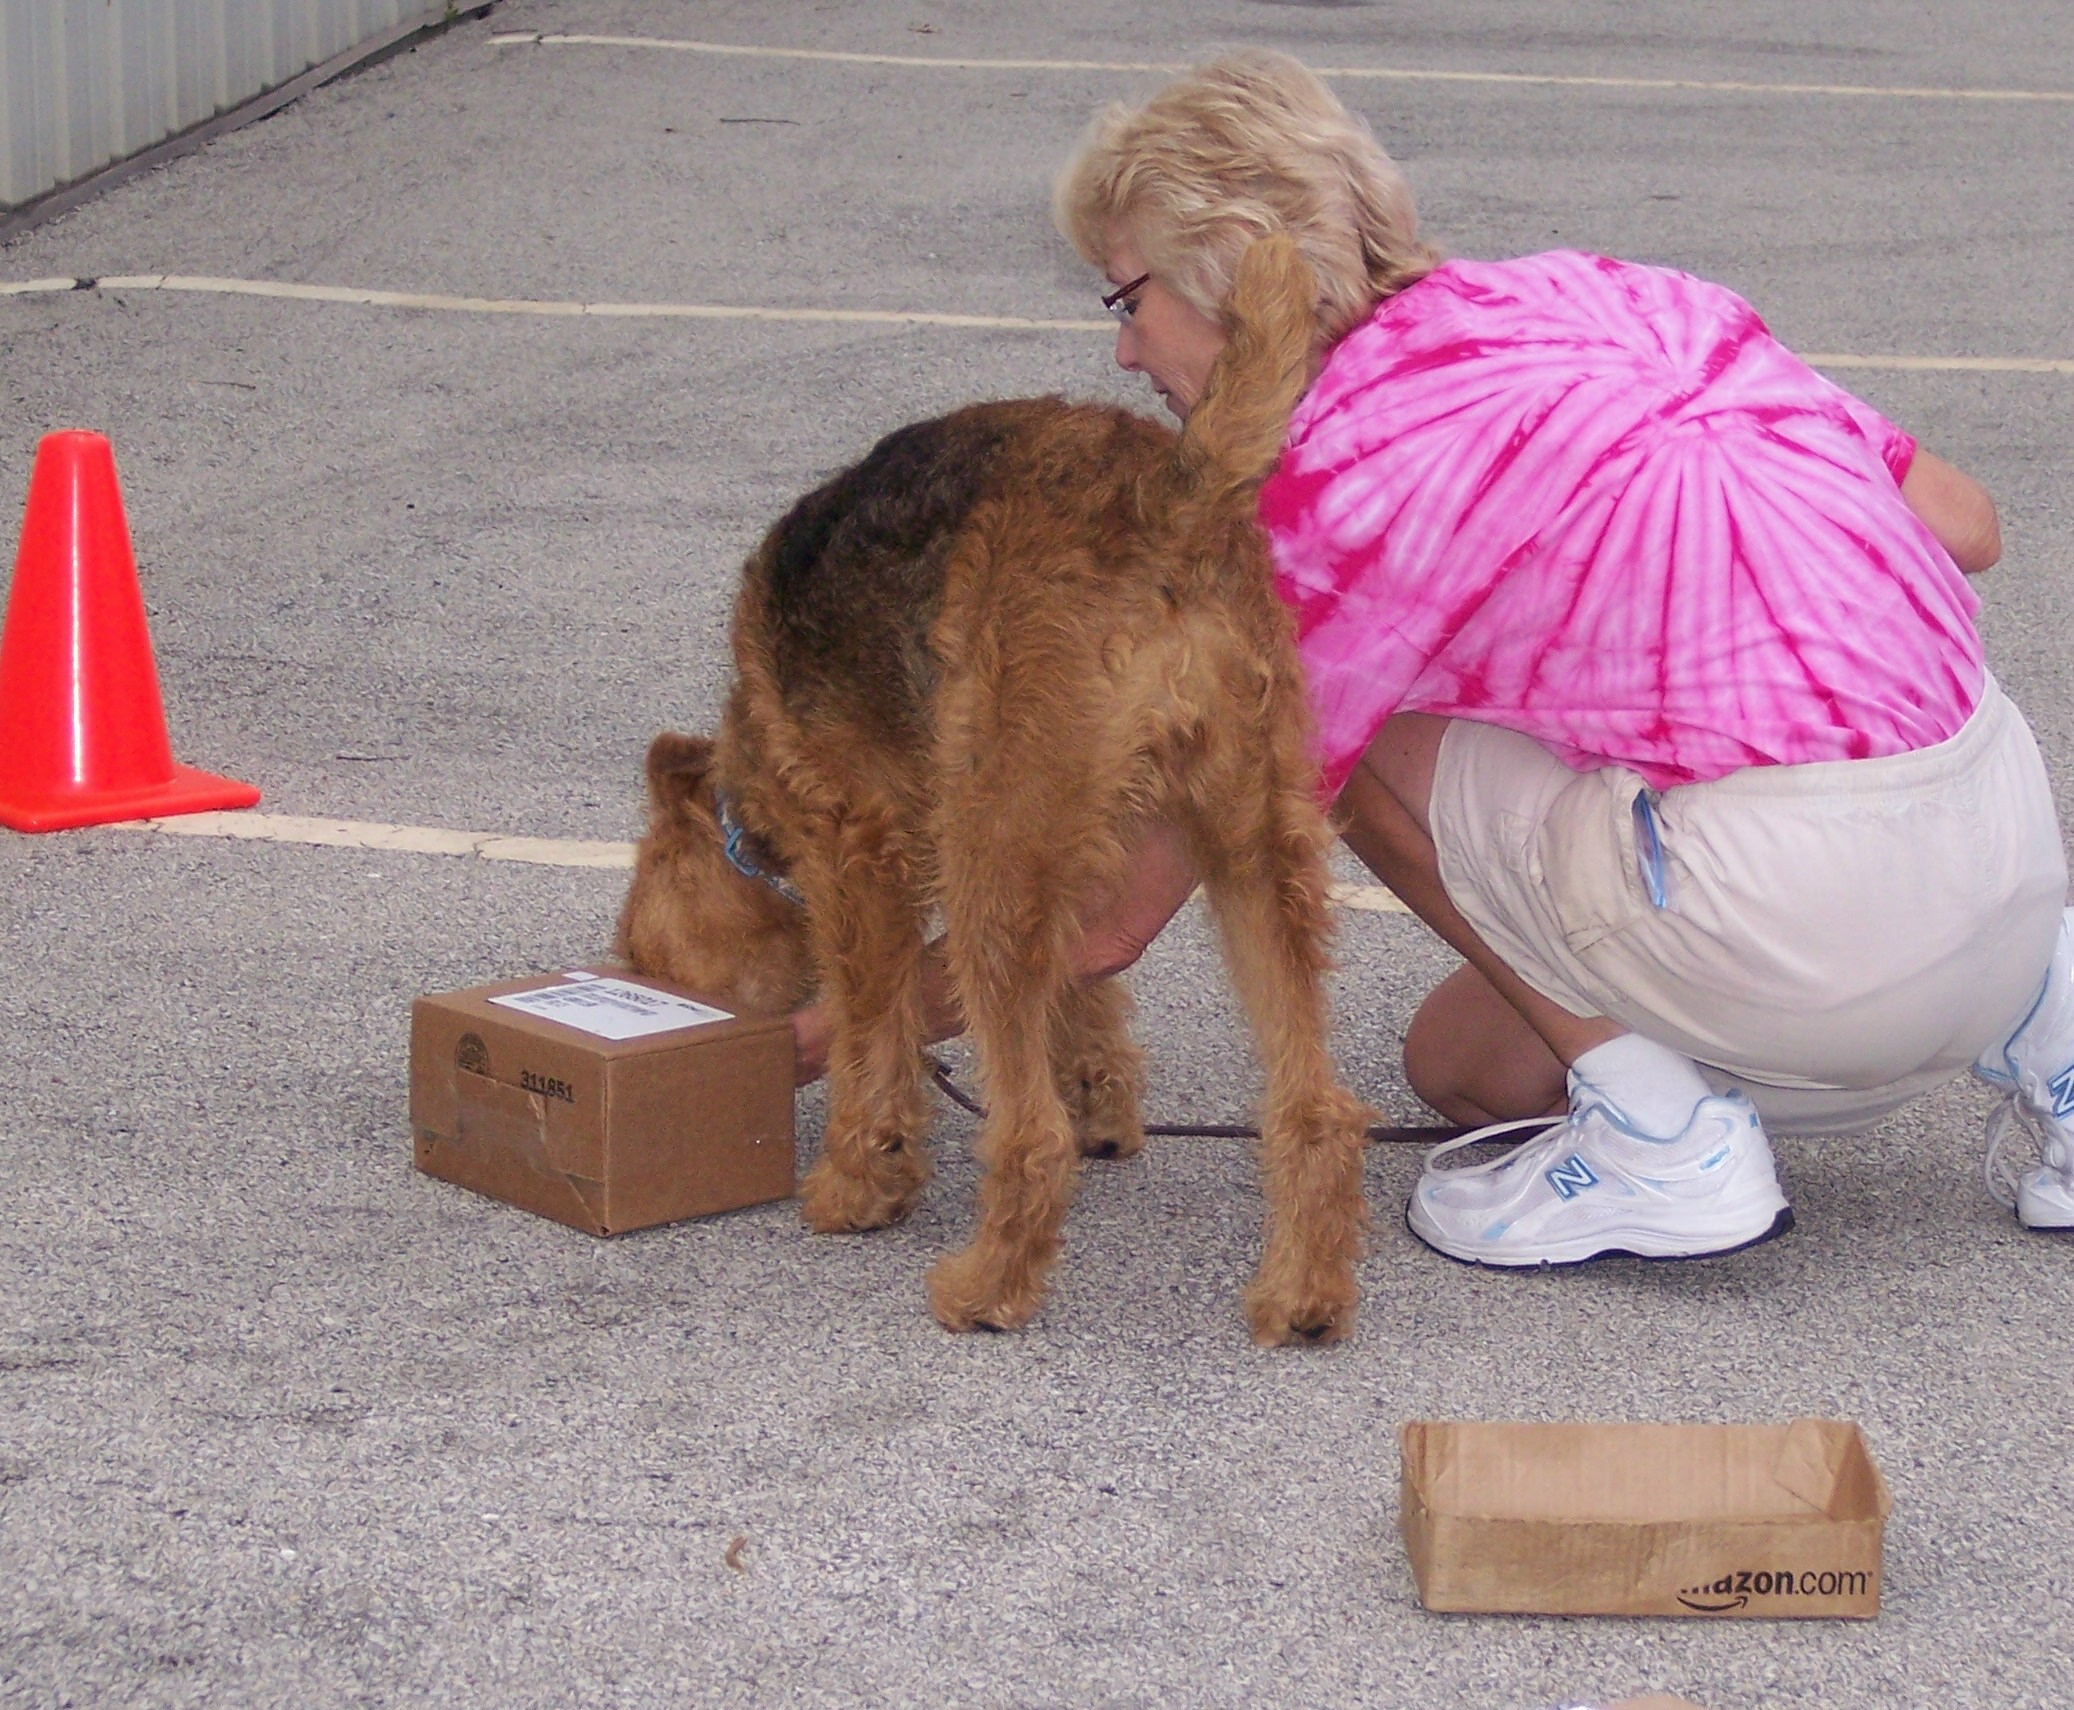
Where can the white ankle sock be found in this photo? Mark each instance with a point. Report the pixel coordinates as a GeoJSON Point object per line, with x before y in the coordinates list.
{"type": "Point", "coordinates": [1649, 1084]}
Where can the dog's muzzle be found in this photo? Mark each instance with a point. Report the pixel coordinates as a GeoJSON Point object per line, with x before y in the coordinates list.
{"type": "Point", "coordinates": [743, 852]}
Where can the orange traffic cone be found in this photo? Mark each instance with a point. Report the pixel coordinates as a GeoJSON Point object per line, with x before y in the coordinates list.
{"type": "Point", "coordinates": [82, 729]}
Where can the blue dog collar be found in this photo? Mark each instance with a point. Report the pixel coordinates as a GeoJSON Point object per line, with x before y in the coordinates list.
{"type": "Point", "coordinates": [736, 842]}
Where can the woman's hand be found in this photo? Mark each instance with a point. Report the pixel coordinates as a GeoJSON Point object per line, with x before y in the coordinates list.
{"type": "Point", "coordinates": [810, 1035]}
{"type": "Point", "coordinates": [1115, 930]}
{"type": "Point", "coordinates": [813, 1028]}
{"type": "Point", "coordinates": [1956, 508]}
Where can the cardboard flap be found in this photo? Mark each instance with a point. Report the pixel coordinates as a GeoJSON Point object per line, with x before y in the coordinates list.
{"type": "Point", "coordinates": [1809, 1462]}
{"type": "Point", "coordinates": [1826, 1464]}
{"type": "Point", "coordinates": [1623, 1474]}
{"type": "Point", "coordinates": [1861, 1493]}
{"type": "Point", "coordinates": [1643, 1473]}
{"type": "Point", "coordinates": [1421, 1451]}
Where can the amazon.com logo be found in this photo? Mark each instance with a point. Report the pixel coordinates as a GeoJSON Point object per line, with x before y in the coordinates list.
{"type": "Point", "coordinates": [1734, 1590]}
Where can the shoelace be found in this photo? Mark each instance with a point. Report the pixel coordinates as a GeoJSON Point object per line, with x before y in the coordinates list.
{"type": "Point", "coordinates": [2005, 1119]}
{"type": "Point", "coordinates": [1476, 1136]}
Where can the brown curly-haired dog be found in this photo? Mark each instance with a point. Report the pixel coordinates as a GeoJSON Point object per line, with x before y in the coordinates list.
{"type": "Point", "coordinates": [967, 669]}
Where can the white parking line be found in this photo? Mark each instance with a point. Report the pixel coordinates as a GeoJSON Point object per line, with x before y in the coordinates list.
{"type": "Point", "coordinates": [363, 297]}
{"type": "Point", "coordinates": [496, 846]}
{"type": "Point", "coordinates": [372, 834]}
{"type": "Point", "coordinates": [1947, 364]}
{"type": "Point", "coordinates": [1390, 73]}
{"type": "Point", "coordinates": [1370, 899]}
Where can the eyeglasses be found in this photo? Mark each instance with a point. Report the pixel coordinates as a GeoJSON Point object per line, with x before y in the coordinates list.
{"type": "Point", "coordinates": [1122, 302]}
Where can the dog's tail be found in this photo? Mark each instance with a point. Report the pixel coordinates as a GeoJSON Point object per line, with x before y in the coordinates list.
{"type": "Point", "coordinates": [1234, 434]}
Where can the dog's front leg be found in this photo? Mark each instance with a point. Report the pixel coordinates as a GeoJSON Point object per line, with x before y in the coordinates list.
{"type": "Point", "coordinates": [1101, 1073]}
{"type": "Point", "coordinates": [874, 1160]}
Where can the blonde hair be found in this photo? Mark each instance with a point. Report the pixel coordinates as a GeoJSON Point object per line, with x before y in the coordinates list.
{"type": "Point", "coordinates": [1234, 150]}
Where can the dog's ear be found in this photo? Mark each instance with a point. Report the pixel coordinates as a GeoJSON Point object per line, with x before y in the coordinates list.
{"type": "Point", "coordinates": [677, 765]}
{"type": "Point", "coordinates": [1235, 432]}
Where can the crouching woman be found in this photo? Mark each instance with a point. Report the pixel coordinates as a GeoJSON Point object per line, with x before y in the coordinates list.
{"type": "Point", "coordinates": [1642, 667]}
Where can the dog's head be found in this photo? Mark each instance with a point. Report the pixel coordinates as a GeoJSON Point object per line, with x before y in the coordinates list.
{"type": "Point", "coordinates": [692, 916]}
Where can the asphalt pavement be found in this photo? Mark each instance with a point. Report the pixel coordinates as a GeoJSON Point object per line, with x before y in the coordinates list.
{"type": "Point", "coordinates": [282, 1422]}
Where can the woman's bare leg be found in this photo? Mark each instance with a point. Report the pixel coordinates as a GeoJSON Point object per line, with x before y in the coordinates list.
{"type": "Point", "coordinates": [1485, 1045]}
{"type": "Point", "coordinates": [1472, 1056]}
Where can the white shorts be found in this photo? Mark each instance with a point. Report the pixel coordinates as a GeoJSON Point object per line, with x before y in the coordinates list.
{"type": "Point", "coordinates": [1834, 939]}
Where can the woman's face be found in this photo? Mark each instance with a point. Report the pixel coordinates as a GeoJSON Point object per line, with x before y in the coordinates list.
{"type": "Point", "coordinates": [1165, 338]}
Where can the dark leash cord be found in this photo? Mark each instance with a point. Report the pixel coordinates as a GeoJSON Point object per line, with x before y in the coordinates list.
{"type": "Point", "coordinates": [1380, 1134]}
{"type": "Point", "coordinates": [737, 842]}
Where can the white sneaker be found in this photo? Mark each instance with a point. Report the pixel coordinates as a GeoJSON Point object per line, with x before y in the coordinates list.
{"type": "Point", "coordinates": [2035, 1067]}
{"type": "Point", "coordinates": [1593, 1186]}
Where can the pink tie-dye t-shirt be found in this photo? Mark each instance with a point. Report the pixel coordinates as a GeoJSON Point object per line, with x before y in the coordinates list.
{"type": "Point", "coordinates": [1599, 504]}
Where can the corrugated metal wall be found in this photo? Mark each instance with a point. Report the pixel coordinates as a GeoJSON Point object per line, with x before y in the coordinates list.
{"type": "Point", "coordinates": [86, 82]}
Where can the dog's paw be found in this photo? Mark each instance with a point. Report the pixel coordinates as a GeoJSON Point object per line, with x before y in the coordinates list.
{"type": "Point", "coordinates": [835, 1201]}
{"type": "Point", "coordinates": [1317, 1309]}
{"type": "Point", "coordinates": [1114, 1135]}
{"type": "Point", "coordinates": [976, 1290]}
{"type": "Point", "coordinates": [1106, 1123]}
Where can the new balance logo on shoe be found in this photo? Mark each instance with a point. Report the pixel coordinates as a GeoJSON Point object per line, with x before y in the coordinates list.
{"type": "Point", "coordinates": [1571, 1177]}
{"type": "Point", "coordinates": [2061, 1086]}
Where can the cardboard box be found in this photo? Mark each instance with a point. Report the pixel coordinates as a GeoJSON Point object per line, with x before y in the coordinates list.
{"type": "Point", "coordinates": [1764, 1521]}
{"type": "Point", "coordinates": [1655, 1701]}
{"type": "Point", "coordinates": [603, 1100]}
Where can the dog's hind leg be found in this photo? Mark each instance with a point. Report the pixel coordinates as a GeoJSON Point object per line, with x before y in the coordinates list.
{"type": "Point", "coordinates": [1032, 1160]}
{"type": "Point", "coordinates": [1100, 1071]}
{"type": "Point", "coordinates": [1269, 899]}
{"type": "Point", "coordinates": [1006, 934]}
{"type": "Point", "coordinates": [874, 1160]}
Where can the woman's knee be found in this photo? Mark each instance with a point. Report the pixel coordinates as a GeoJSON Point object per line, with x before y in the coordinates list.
{"type": "Point", "coordinates": [1472, 1057]}
{"type": "Point", "coordinates": [1433, 1052]}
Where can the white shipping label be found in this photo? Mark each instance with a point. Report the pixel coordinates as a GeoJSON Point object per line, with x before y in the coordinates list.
{"type": "Point", "coordinates": [612, 1009]}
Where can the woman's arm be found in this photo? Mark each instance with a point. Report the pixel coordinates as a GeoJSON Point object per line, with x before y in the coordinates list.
{"type": "Point", "coordinates": [813, 1029]}
{"type": "Point", "coordinates": [1956, 508]}
{"type": "Point", "coordinates": [1118, 929]}
{"type": "Point", "coordinates": [1115, 933]}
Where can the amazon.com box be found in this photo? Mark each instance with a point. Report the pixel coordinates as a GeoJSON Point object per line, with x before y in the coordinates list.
{"type": "Point", "coordinates": [601, 1099]}
{"type": "Point", "coordinates": [1710, 1521]}
{"type": "Point", "coordinates": [1655, 1701]}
